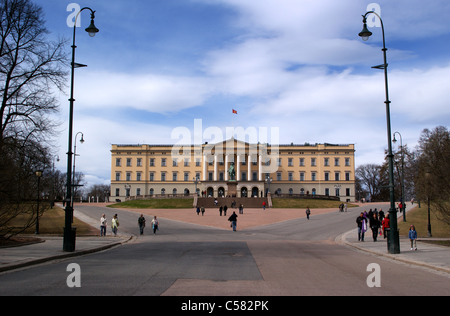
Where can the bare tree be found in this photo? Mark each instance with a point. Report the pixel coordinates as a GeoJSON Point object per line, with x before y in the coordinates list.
{"type": "Point", "coordinates": [371, 180]}
{"type": "Point", "coordinates": [31, 67]}
{"type": "Point", "coordinates": [101, 191]}
{"type": "Point", "coordinates": [433, 170]}
{"type": "Point", "coordinates": [18, 187]}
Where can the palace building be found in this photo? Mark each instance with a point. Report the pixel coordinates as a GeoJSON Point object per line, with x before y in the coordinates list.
{"type": "Point", "coordinates": [233, 168]}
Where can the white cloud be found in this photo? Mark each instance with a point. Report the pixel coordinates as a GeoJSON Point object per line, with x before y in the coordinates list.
{"type": "Point", "coordinates": [94, 158]}
{"type": "Point", "coordinates": [294, 64]}
{"type": "Point", "coordinates": [422, 95]}
{"type": "Point", "coordinates": [149, 92]}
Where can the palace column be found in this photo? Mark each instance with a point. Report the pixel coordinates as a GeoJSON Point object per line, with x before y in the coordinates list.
{"type": "Point", "coordinates": [204, 168]}
{"type": "Point", "coordinates": [226, 167]}
{"type": "Point", "coordinates": [215, 166]}
{"type": "Point", "coordinates": [238, 167]}
{"type": "Point", "coordinates": [249, 162]}
{"type": "Point", "coordinates": [260, 178]}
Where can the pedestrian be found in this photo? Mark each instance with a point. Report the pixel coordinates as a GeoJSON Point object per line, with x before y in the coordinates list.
{"type": "Point", "coordinates": [155, 225]}
{"type": "Point", "coordinates": [264, 205]}
{"type": "Point", "coordinates": [220, 210]}
{"type": "Point", "coordinates": [241, 209]}
{"type": "Point", "coordinates": [233, 220]}
{"type": "Point", "coordinates": [361, 221]}
{"type": "Point", "coordinates": [381, 215]}
{"type": "Point", "coordinates": [225, 208]}
{"type": "Point", "coordinates": [115, 224]}
{"type": "Point", "coordinates": [366, 216]}
{"type": "Point", "coordinates": [386, 226]}
{"type": "Point", "coordinates": [308, 212]}
{"type": "Point", "coordinates": [141, 223]}
{"type": "Point", "coordinates": [375, 226]}
{"type": "Point", "coordinates": [198, 210]}
{"type": "Point", "coordinates": [345, 207]}
{"type": "Point", "coordinates": [413, 237]}
{"type": "Point", "coordinates": [203, 210]}
{"type": "Point", "coordinates": [103, 224]}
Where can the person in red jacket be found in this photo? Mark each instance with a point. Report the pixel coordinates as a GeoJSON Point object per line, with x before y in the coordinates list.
{"type": "Point", "coordinates": [385, 226]}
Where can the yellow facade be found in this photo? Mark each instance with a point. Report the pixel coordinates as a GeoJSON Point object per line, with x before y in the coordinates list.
{"type": "Point", "coordinates": [153, 170]}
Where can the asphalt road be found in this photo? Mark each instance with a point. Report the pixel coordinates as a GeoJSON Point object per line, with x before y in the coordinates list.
{"type": "Point", "coordinates": [294, 258]}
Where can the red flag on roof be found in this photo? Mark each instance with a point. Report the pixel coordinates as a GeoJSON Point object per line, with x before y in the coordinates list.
{"type": "Point", "coordinates": [234, 111]}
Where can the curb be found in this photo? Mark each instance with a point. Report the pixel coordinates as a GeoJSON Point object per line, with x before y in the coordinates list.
{"type": "Point", "coordinates": [343, 240]}
{"type": "Point", "coordinates": [63, 256]}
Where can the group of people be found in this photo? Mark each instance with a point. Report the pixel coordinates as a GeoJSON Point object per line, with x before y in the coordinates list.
{"type": "Point", "coordinates": [234, 216]}
{"type": "Point", "coordinates": [115, 224]}
{"type": "Point", "coordinates": [343, 207]}
{"type": "Point", "coordinates": [379, 223]}
{"type": "Point", "coordinates": [200, 209]}
{"type": "Point", "coordinates": [375, 220]}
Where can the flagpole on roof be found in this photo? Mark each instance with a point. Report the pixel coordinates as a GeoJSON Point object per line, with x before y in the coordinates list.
{"type": "Point", "coordinates": [233, 111]}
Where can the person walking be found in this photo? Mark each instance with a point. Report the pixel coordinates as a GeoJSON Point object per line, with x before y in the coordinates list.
{"type": "Point", "coordinates": [155, 224]}
{"type": "Point", "coordinates": [361, 221]}
{"type": "Point", "coordinates": [241, 209]}
{"type": "Point", "coordinates": [375, 226]}
{"type": "Point", "coordinates": [203, 210]}
{"type": "Point", "coordinates": [264, 205]}
{"type": "Point", "coordinates": [141, 223]}
{"type": "Point", "coordinates": [412, 234]}
{"type": "Point", "coordinates": [233, 220]}
{"type": "Point", "coordinates": [385, 226]}
{"type": "Point", "coordinates": [115, 224]}
{"type": "Point", "coordinates": [381, 215]}
{"type": "Point", "coordinates": [198, 210]}
{"type": "Point", "coordinates": [308, 212]}
{"type": "Point", "coordinates": [225, 208]}
{"type": "Point", "coordinates": [103, 224]}
{"type": "Point", "coordinates": [220, 210]}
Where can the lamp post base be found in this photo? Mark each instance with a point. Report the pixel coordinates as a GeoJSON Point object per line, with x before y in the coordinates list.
{"type": "Point", "coordinates": [69, 239]}
{"type": "Point", "coordinates": [393, 242]}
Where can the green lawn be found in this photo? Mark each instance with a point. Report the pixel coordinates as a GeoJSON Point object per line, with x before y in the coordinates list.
{"type": "Point", "coordinates": [155, 204]}
{"type": "Point", "coordinates": [304, 203]}
{"type": "Point", "coordinates": [419, 218]}
{"type": "Point", "coordinates": [187, 203]}
{"type": "Point", "coordinates": [52, 223]}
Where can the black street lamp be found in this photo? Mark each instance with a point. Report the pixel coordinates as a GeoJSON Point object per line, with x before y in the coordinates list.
{"type": "Point", "coordinates": [196, 182]}
{"type": "Point", "coordinates": [74, 158]}
{"type": "Point", "coordinates": [428, 182]}
{"type": "Point", "coordinates": [268, 181]}
{"type": "Point", "coordinates": [69, 233]}
{"type": "Point", "coordinates": [393, 240]}
{"type": "Point", "coordinates": [403, 174]}
{"type": "Point", "coordinates": [38, 175]}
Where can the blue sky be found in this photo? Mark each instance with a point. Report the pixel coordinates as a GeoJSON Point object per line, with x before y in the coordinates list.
{"type": "Point", "coordinates": [293, 65]}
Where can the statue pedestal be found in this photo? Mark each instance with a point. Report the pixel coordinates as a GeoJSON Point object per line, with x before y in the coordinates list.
{"type": "Point", "coordinates": [232, 188]}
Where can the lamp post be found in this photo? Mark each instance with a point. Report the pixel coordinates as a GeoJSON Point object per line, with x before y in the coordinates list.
{"type": "Point", "coordinates": [52, 201]}
{"type": "Point", "coordinates": [268, 181]}
{"type": "Point", "coordinates": [403, 175]}
{"type": "Point", "coordinates": [74, 157]}
{"type": "Point", "coordinates": [69, 234]}
{"type": "Point", "coordinates": [38, 175]}
{"type": "Point", "coordinates": [196, 182]}
{"type": "Point", "coordinates": [393, 241]}
{"type": "Point", "coordinates": [428, 180]}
